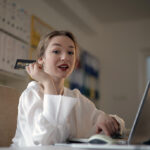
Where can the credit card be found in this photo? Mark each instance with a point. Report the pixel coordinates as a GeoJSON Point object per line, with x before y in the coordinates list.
{"type": "Point", "coordinates": [22, 63]}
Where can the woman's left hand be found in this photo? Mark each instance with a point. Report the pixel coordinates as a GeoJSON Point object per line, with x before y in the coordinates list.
{"type": "Point", "coordinates": [107, 124]}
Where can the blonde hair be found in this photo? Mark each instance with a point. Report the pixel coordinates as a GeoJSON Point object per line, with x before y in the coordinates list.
{"type": "Point", "coordinates": [43, 44]}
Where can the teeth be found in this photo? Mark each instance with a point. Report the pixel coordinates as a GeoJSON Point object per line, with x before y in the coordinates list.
{"type": "Point", "coordinates": [63, 66]}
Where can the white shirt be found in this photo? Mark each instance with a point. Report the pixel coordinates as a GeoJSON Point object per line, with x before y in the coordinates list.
{"type": "Point", "coordinates": [45, 119]}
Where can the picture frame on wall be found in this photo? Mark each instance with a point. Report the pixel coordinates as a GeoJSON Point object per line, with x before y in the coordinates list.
{"type": "Point", "coordinates": [38, 29]}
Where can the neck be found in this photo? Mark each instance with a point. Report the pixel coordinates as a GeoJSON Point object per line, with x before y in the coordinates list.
{"type": "Point", "coordinates": [59, 84]}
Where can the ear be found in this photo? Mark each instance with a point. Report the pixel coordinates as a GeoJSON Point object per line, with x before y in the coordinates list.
{"type": "Point", "coordinates": [40, 60]}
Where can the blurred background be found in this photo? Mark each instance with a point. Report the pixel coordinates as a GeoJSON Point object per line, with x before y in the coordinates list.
{"type": "Point", "coordinates": [116, 33]}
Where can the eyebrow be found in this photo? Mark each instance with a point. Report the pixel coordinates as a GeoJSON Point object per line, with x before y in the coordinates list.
{"type": "Point", "coordinates": [57, 44]}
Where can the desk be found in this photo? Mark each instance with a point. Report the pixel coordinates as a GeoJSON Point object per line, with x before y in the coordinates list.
{"type": "Point", "coordinates": [83, 147]}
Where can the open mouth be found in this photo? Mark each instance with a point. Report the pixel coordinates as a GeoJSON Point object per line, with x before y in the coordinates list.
{"type": "Point", "coordinates": [63, 67]}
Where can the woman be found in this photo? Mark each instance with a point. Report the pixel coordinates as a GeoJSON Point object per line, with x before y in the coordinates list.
{"type": "Point", "coordinates": [48, 112]}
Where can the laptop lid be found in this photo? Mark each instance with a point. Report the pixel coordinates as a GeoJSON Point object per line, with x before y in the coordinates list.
{"type": "Point", "coordinates": [140, 131]}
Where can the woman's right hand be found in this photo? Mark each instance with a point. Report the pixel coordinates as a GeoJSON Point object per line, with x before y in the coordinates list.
{"type": "Point", "coordinates": [36, 72]}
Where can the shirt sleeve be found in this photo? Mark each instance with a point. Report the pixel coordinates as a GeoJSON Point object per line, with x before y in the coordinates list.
{"type": "Point", "coordinates": [86, 117]}
{"type": "Point", "coordinates": [45, 121]}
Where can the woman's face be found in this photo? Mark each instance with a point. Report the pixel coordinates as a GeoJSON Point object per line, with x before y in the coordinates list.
{"type": "Point", "coordinates": [60, 57]}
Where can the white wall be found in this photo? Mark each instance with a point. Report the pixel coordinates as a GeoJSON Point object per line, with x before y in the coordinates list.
{"type": "Point", "coordinates": [117, 46]}
{"type": "Point", "coordinates": [119, 55]}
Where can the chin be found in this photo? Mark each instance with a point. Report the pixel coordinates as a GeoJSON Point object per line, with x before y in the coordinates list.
{"type": "Point", "coordinates": [63, 76]}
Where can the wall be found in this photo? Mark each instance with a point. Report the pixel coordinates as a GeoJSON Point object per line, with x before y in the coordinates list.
{"type": "Point", "coordinates": [117, 45]}
{"type": "Point", "coordinates": [121, 45]}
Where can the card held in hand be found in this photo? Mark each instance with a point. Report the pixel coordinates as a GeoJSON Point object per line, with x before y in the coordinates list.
{"type": "Point", "coordinates": [22, 63]}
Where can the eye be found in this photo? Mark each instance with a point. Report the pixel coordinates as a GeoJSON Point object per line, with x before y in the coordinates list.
{"type": "Point", "coordinates": [70, 52]}
{"type": "Point", "coordinates": [56, 51]}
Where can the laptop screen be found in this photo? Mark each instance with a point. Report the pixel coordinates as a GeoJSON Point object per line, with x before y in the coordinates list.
{"type": "Point", "coordinates": [140, 131]}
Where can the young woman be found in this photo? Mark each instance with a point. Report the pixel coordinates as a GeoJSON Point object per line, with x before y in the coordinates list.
{"type": "Point", "coordinates": [48, 112]}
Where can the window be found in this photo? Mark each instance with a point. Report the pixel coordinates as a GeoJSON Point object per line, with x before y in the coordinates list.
{"type": "Point", "coordinates": [144, 69]}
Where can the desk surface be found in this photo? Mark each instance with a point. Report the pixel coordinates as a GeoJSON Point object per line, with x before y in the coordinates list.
{"type": "Point", "coordinates": [82, 147]}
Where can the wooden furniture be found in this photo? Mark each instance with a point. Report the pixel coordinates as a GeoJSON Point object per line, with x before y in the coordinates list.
{"type": "Point", "coordinates": [9, 99]}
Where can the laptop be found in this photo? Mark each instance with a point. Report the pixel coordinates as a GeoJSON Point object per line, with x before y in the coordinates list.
{"type": "Point", "coordinates": [140, 131]}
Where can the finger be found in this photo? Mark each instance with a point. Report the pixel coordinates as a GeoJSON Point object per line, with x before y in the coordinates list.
{"type": "Point", "coordinates": [106, 129]}
{"type": "Point", "coordinates": [113, 129]}
{"type": "Point", "coordinates": [116, 125]}
{"type": "Point", "coordinates": [113, 126]}
{"type": "Point", "coordinates": [32, 65]}
{"type": "Point", "coordinates": [98, 130]}
{"type": "Point", "coordinates": [36, 66]}
{"type": "Point", "coordinates": [110, 128]}
{"type": "Point", "coordinates": [40, 66]}
{"type": "Point", "coordinates": [28, 69]}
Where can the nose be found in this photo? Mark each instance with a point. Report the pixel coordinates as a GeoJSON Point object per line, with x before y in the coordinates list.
{"type": "Point", "coordinates": [64, 56]}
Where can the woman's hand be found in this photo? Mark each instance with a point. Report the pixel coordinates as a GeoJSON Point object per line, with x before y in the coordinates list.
{"type": "Point", "coordinates": [36, 73]}
{"type": "Point", "coordinates": [107, 124]}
